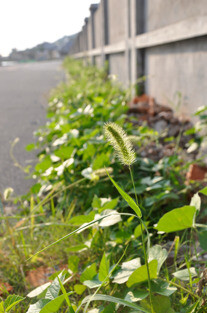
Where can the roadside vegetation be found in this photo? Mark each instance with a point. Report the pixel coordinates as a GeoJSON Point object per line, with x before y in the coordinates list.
{"type": "Point", "coordinates": [104, 229]}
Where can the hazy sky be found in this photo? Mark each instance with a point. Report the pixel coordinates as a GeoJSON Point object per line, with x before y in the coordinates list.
{"type": "Point", "coordinates": [26, 23]}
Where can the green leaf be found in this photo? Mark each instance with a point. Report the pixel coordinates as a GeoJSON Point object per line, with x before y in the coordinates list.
{"type": "Point", "coordinates": [79, 289]}
{"type": "Point", "coordinates": [30, 147]}
{"type": "Point", "coordinates": [37, 291]}
{"type": "Point", "coordinates": [88, 273]}
{"type": "Point", "coordinates": [185, 274]}
{"type": "Point", "coordinates": [138, 230]}
{"type": "Point", "coordinates": [100, 161]}
{"type": "Point", "coordinates": [177, 219]}
{"type": "Point", "coordinates": [203, 239]}
{"type": "Point", "coordinates": [161, 304]}
{"type": "Point", "coordinates": [99, 297]}
{"type": "Point", "coordinates": [110, 205]}
{"type": "Point", "coordinates": [73, 262]}
{"type": "Point", "coordinates": [93, 283]}
{"type": "Point", "coordinates": [104, 268]}
{"type": "Point", "coordinates": [54, 305]}
{"type": "Point", "coordinates": [162, 288]}
{"type": "Point", "coordinates": [204, 191]}
{"type": "Point", "coordinates": [54, 288]}
{"type": "Point", "coordinates": [11, 301]}
{"type": "Point", "coordinates": [140, 274]}
{"type": "Point", "coordinates": [127, 198]}
{"type": "Point", "coordinates": [2, 307]}
{"type": "Point", "coordinates": [110, 308]}
{"type": "Point", "coordinates": [36, 308]}
{"type": "Point", "coordinates": [81, 219]}
{"type": "Point", "coordinates": [96, 204]}
{"type": "Point", "coordinates": [64, 152]}
{"type": "Point", "coordinates": [157, 253]}
{"type": "Point", "coordinates": [44, 165]}
{"type": "Point", "coordinates": [136, 295]}
{"type": "Point", "coordinates": [127, 268]}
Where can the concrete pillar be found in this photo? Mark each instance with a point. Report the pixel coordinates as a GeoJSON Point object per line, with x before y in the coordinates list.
{"type": "Point", "coordinates": [140, 29]}
{"type": "Point", "coordinates": [86, 32]}
{"type": "Point", "coordinates": [132, 28]}
{"type": "Point", "coordinates": [93, 8]}
{"type": "Point", "coordinates": [128, 35]}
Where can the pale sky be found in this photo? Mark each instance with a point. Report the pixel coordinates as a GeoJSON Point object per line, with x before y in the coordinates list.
{"type": "Point", "coordinates": [26, 23]}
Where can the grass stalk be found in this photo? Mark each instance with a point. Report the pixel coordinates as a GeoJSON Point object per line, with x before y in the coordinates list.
{"type": "Point", "coordinates": [143, 243]}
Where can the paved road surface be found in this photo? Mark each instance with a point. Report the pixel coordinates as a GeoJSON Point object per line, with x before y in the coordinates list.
{"type": "Point", "coordinates": [24, 91]}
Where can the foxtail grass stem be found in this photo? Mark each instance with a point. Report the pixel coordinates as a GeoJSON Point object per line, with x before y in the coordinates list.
{"type": "Point", "coordinates": [143, 244]}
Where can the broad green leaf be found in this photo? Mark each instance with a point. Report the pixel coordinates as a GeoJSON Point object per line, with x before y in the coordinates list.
{"type": "Point", "coordinates": [79, 289]}
{"type": "Point", "coordinates": [203, 239]}
{"type": "Point", "coordinates": [44, 165]}
{"type": "Point", "coordinates": [54, 305]}
{"type": "Point", "coordinates": [93, 283]}
{"type": "Point", "coordinates": [127, 268]}
{"type": "Point", "coordinates": [96, 204]}
{"type": "Point", "coordinates": [54, 288]}
{"type": "Point", "coordinates": [161, 304]}
{"type": "Point", "coordinates": [138, 230]}
{"type": "Point", "coordinates": [177, 219]}
{"type": "Point", "coordinates": [37, 307]}
{"type": "Point", "coordinates": [100, 161]}
{"type": "Point", "coordinates": [77, 248]}
{"type": "Point", "coordinates": [110, 205]}
{"type": "Point", "coordinates": [110, 308]}
{"type": "Point", "coordinates": [73, 262]}
{"type": "Point", "coordinates": [99, 297]}
{"type": "Point", "coordinates": [204, 191]}
{"type": "Point", "coordinates": [81, 219]}
{"type": "Point", "coordinates": [2, 307]}
{"type": "Point", "coordinates": [136, 295]}
{"type": "Point", "coordinates": [30, 147]}
{"type": "Point", "coordinates": [162, 288]}
{"type": "Point", "coordinates": [196, 201]}
{"type": "Point", "coordinates": [104, 268]}
{"type": "Point", "coordinates": [185, 274]}
{"type": "Point", "coordinates": [127, 198]}
{"type": "Point", "coordinates": [37, 291]}
{"type": "Point", "coordinates": [64, 152]}
{"type": "Point", "coordinates": [140, 274]}
{"type": "Point", "coordinates": [158, 253]}
{"type": "Point", "coordinates": [88, 273]}
{"type": "Point", "coordinates": [11, 301]}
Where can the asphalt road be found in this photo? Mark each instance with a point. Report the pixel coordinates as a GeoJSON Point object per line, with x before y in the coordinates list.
{"type": "Point", "coordinates": [24, 93]}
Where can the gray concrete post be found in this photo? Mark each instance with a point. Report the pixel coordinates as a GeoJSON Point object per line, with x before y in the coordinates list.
{"type": "Point", "coordinates": [133, 64]}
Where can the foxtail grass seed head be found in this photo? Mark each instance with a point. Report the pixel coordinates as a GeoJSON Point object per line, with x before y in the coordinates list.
{"type": "Point", "coordinates": [120, 142]}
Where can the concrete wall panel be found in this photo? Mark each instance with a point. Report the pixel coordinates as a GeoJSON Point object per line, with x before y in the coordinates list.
{"type": "Point", "coordinates": [117, 19]}
{"type": "Point", "coordinates": [98, 61]}
{"type": "Point", "coordinates": [178, 67]}
{"type": "Point", "coordinates": [117, 66]}
{"type": "Point", "coordinates": [160, 13]}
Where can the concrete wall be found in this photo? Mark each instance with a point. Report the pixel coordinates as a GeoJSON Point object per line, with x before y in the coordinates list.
{"type": "Point", "coordinates": [117, 67]}
{"type": "Point", "coordinates": [165, 12]}
{"type": "Point", "coordinates": [164, 40]}
{"type": "Point", "coordinates": [178, 68]}
{"type": "Point", "coordinates": [117, 20]}
{"type": "Point", "coordinates": [98, 16]}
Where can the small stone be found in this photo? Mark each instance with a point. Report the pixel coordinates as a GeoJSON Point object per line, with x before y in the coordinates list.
{"type": "Point", "coordinates": [160, 126]}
